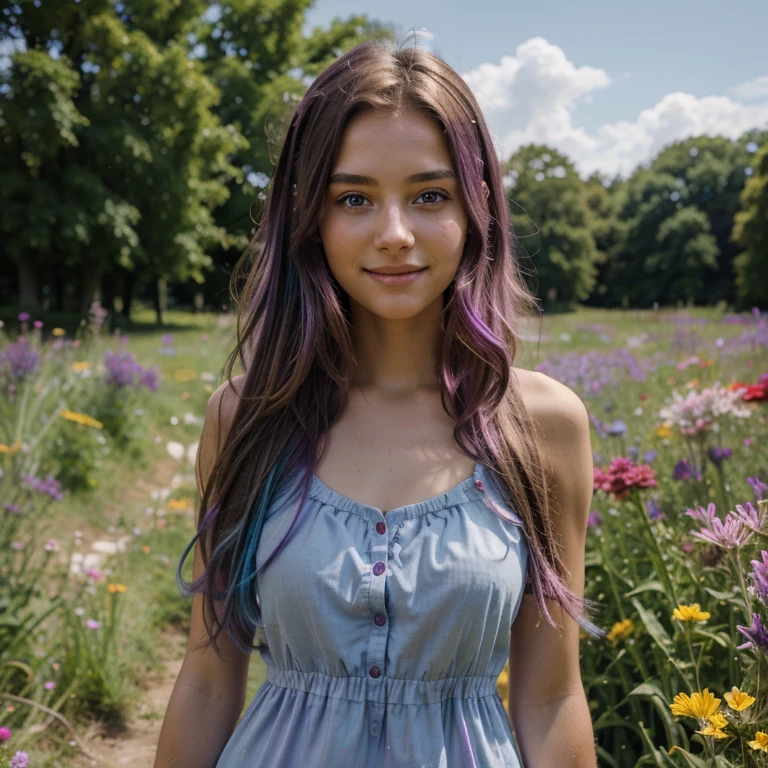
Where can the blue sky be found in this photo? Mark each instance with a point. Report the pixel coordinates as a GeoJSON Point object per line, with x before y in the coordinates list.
{"type": "Point", "coordinates": [608, 83]}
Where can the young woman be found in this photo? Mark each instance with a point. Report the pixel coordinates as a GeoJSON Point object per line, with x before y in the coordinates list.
{"type": "Point", "coordinates": [380, 484]}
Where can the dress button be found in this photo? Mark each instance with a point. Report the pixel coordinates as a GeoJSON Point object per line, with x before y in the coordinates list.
{"type": "Point", "coordinates": [381, 528]}
{"type": "Point", "coordinates": [479, 485]}
{"type": "Point", "coordinates": [374, 672]}
{"type": "Point", "coordinates": [379, 618]}
{"type": "Point", "coordinates": [378, 569]}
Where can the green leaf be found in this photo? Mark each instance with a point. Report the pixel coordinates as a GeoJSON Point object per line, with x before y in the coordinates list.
{"type": "Point", "coordinates": [721, 638]}
{"type": "Point", "coordinates": [648, 586]}
{"type": "Point", "coordinates": [692, 760]}
{"type": "Point", "coordinates": [674, 732]}
{"type": "Point", "coordinates": [660, 758]}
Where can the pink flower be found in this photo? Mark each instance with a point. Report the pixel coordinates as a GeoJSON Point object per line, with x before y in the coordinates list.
{"type": "Point", "coordinates": [49, 685]}
{"type": "Point", "coordinates": [623, 476]}
{"type": "Point", "coordinates": [92, 624]}
{"type": "Point", "coordinates": [51, 545]}
{"type": "Point", "coordinates": [5, 734]}
{"type": "Point", "coordinates": [19, 760]}
{"type": "Point", "coordinates": [94, 573]}
{"type": "Point", "coordinates": [728, 534]}
{"type": "Point", "coordinates": [706, 516]}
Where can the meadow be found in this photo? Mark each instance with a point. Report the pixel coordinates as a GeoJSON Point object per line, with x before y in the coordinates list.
{"type": "Point", "coordinates": [98, 435]}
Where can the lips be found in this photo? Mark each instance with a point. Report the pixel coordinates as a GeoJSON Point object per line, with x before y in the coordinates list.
{"type": "Point", "coordinates": [395, 271]}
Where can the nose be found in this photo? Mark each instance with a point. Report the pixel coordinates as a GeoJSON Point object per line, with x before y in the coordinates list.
{"type": "Point", "coordinates": [393, 229]}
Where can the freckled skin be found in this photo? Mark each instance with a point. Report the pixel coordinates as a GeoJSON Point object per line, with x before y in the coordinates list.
{"type": "Point", "coordinates": [394, 223]}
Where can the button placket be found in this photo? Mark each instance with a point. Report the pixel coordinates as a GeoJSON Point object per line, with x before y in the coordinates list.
{"type": "Point", "coordinates": [379, 629]}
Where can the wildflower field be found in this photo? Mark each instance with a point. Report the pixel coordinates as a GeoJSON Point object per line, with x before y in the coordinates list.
{"type": "Point", "coordinates": [98, 435]}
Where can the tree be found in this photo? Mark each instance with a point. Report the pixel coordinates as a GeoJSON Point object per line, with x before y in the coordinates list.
{"type": "Point", "coordinates": [750, 232]}
{"type": "Point", "coordinates": [544, 183]}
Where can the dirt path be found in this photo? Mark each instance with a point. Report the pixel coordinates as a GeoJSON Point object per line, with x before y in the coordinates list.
{"type": "Point", "coordinates": [135, 747]}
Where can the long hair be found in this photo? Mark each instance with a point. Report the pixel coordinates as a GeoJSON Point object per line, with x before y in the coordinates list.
{"type": "Point", "coordinates": [294, 343]}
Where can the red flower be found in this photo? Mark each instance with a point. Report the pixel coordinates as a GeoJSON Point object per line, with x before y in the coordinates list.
{"type": "Point", "coordinates": [622, 477]}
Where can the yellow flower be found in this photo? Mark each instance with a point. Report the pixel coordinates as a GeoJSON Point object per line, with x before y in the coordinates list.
{"type": "Point", "coordinates": [80, 366]}
{"type": "Point", "coordinates": [58, 331]}
{"type": "Point", "coordinates": [699, 705]}
{"type": "Point", "coordinates": [665, 430]}
{"type": "Point", "coordinates": [81, 418]}
{"type": "Point", "coordinates": [710, 730]}
{"type": "Point", "coordinates": [116, 588]}
{"type": "Point", "coordinates": [179, 505]}
{"type": "Point", "coordinates": [10, 450]}
{"type": "Point", "coordinates": [718, 720]}
{"type": "Point", "coordinates": [185, 374]}
{"type": "Point", "coordinates": [146, 550]}
{"type": "Point", "coordinates": [690, 613]}
{"type": "Point", "coordinates": [620, 630]}
{"type": "Point", "coordinates": [738, 700]}
{"type": "Point", "coordinates": [760, 742]}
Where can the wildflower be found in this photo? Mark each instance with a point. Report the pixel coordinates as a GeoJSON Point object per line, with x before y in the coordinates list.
{"type": "Point", "coordinates": [594, 520]}
{"type": "Point", "coordinates": [758, 486]}
{"type": "Point", "coordinates": [728, 534]}
{"type": "Point", "coordinates": [738, 700]}
{"type": "Point", "coordinates": [10, 449]}
{"type": "Point", "coordinates": [698, 705]}
{"type": "Point", "coordinates": [24, 317]}
{"type": "Point", "coordinates": [94, 573]}
{"type": "Point", "coordinates": [79, 366]}
{"type": "Point", "coordinates": [5, 734]}
{"type": "Point", "coordinates": [620, 630]}
{"type": "Point", "coordinates": [654, 510]}
{"type": "Point", "coordinates": [52, 545]}
{"type": "Point", "coordinates": [179, 505]}
{"type": "Point", "coordinates": [705, 515]}
{"type": "Point", "coordinates": [116, 588]}
{"type": "Point", "coordinates": [698, 412]}
{"type": "Point", "coordinates": [650, 457]}
{"type": "Point", "coordinates": [19, 358]}
{"type": "Point", "coordinates": [146, 549]}
{"type": "Point", "coordinates": [665, 430]}
{"type": "Point", "coordinates": [79, 611]}
{"type": "Point", "coordinates": [750, 517]}
{"type": "Point", "coordinates": [81, 418]}
{"type": "Point", "coordinates": [124, 371]}
{"type": "Point", "coordinates": [718, 455]}
{"type": "Point", "coordinates": [684, 471]}
{"type": "Point", "coordinates": [58, 331]}
{"type": "Point", "coordinates": [184, 374]}
{"type": "Point", "coordinates": [711, 730]}
{"type": "Point", "coordinates": [691, 612]}
{"type": "Point", "coordinates": [49, 685]}
{"type": "Point", "coordinates": [48, 487]}
{"type": "Point", "coordinates": [617, 428]}
{"type": "Point", "coordinates": [760, 741]}
{"type": "Point", "coordinates": [92, 624]}
{"type": "Point", "coordinates": [756, 634]}
{"type": "Point", "coordinates": [19, 760]}
{"type": "Point", "coordinates": [622, 477]}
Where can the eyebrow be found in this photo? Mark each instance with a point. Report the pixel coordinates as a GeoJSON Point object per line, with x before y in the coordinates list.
{"type": "Point", "coordinates": [353, 178]}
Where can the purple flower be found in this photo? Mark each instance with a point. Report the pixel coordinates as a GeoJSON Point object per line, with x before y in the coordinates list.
{"type": "Point", "coordinates": [14, 509]}
{"type": "Point", "coordinates": [594, 520]}
{"type": "Point", "coordinates": [38, 323]}
{"type": "Point", "coordinates": [749, 516]}
{"type": "Point", "coordinates": [654, 510]}
{"type": "Point", "coordinates": [19, 760]}
{"type": "Point", "coordinates": [597, 424]}
{"type": "Point", "coordinates": [718, 455]}
{"type": "Point", "coordinates": [168, 339]}
{"type": "Point", "coordinates": [705, 515]}
{"type": "Point", "coordinates": [49, 685]}
{"type": "Point", "coordinates": [24, 317]}
{"type": "Point", "coordinates": [149, 378]}
{"type": "Point", "coordinates": [617, 428]}
{"type": "Point", "coordinates": [48, 487]}
{"type": "Point", "coordinates": [756, 635]}
{"type": "Point", "coordinates": [92, 624]}
{"type": "Point", "coordinates": [758, 486]}
{"type": "Point", "coordinates": [19, 358]}
{"type": "Point", "coordinates": [683, 471]}
{"type": "Point", "coordinates": [650, 457]}
{"type": "Point", "coordinates": [727, 534]}
{"type": "Point", "coordinates": [5, 734]}
{"type": "Point", "coordinates": [124, 371]}
{"type": "Point", "coordinates": [759, 576]}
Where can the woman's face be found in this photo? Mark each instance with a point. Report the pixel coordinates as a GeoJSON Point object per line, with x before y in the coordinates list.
{"type": "Point", "coordinates": [385, 218]}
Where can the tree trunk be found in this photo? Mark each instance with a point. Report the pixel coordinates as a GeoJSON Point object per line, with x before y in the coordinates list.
{"type": "Point", "coordinates": [160, 299]}
{"type": "Point", "coordinates": [29, 294]}
{"type": "Point", "coordinates": [127, 293]}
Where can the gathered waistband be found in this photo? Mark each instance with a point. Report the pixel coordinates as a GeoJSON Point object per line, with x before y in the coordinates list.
{"type": "Point", "coordinates": [383, 690]}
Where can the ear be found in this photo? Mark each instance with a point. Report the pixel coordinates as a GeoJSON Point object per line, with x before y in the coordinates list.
{"type": "Point", "coordinates": [486, 191]}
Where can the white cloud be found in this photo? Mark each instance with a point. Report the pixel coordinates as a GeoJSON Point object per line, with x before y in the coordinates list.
{"type": "Point", "coordinates": [530, 98]}
{"type": "Point", "coordinates": [750, 89]}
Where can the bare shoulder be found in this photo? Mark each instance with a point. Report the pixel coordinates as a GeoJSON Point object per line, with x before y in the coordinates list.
{"type": "Point", "coordinates": [558, 410]}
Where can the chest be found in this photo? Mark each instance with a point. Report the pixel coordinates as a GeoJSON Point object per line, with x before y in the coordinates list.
{"type": "Point", "coordinates": [388, 454]}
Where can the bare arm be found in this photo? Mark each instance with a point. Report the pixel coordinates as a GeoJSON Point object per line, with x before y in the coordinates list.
{"type": "Point", "coordinates": [547, 703]}
{"type": "Point", "coordinates": [209, 693]}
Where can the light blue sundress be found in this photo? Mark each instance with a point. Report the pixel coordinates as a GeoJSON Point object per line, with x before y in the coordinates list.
{"type": "Point", "coordinates": [384, 634]}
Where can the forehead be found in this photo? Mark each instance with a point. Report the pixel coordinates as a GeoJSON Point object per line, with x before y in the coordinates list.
{"type": "Point", "coordinates": [396, 140]}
